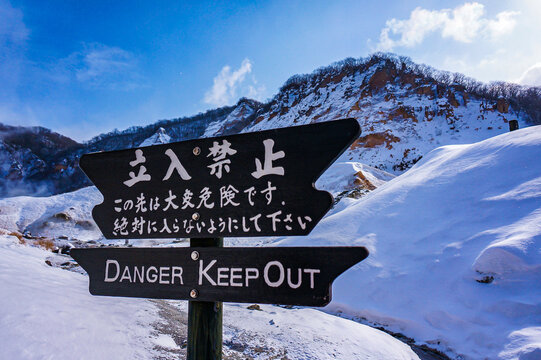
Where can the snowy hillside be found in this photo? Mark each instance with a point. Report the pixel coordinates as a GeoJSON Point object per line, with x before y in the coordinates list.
{"type": "Point", "coordinates": [64, 216]}
{"type": "Point", "coordinates": [455, 250]}
{"type": "Point", "coordinates": [405, 110]}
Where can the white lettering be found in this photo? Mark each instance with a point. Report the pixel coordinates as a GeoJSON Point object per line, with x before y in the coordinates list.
{"type": "Point", "coordinates": [142, 175]}
{"type": "Point", "coordinates": [126, 274]}
{"type": "Point", "coordinates": [175, 165]}
{"type": "Point", "coordinates": [107, 263]}
{"type": "Point", "coordinates": [203, 272]}
{"type": "Point", "coordinates": [270, 156]}
{"type": "Point", "coordinates": [266, 274]}
{"type": "Point", "coordinates": [299, 279]}
{"type": "Point", "coordinates": [164, 273]}
{"type": "Point", "coordinates": [312, 272]}
{"type": "Point", "coordinates": [274, 217]}
{"type": "Point", "coordinates": [154, 277]}
{"type": "Point", "coordinates": [251, 274]}
{"type": "Point", "coordinates": [177, 273]}
{"type": "Point", "coordinates": [235, 276]}
{"type": "Point", "coordinates": [222, 274]}
{"type": "Point", "coordinates": [140, 274]}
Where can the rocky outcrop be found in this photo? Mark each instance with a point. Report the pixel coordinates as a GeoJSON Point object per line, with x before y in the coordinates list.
{"type": "Point", "coordinates": [502, 106]}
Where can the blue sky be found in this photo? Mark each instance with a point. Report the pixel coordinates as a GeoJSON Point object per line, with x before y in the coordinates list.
{"type": "Point", "coordinates": [83, 68]}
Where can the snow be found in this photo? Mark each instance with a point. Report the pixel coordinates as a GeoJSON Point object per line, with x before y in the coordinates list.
{"type": "Point", "coordinates": [463, 215]}
{"type": "Point", "coordinates": [311, 334]}
{"type": "Point", "coordinates": [165, 341]}
{"type": "Point", "coordinates": [418, 123]}
{"type": "Point", "coordinates": [524, 344]}
{"type": "Point", "coordinates": [47, 313]}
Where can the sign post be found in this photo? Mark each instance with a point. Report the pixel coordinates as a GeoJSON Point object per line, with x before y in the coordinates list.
{"type": "Point", "coordinates": [204, 318]}
{"type": "Point", "coordinates": [245, 185]}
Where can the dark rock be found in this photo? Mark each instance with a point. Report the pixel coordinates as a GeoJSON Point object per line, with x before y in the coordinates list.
{"type": "Point", "coordinates": [62, 216]}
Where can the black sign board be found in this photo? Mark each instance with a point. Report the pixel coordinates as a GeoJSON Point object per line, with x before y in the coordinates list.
{"type": "Point", "coordinates": [285, 275]}
{"type": "Point", "coordinates": [255, 184]}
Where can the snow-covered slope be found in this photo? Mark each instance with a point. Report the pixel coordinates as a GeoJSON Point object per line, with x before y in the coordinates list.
{"type": "Point", "coordinates": [47, 313]}
{"type": "Point", "coordinates": [455, 249]}
{"type": "Point", "coordinates": [349, 175]}
{"type": "Point", "coordinates": [237, 120]}
{"type": "Point", "coordinates": [159, 137]}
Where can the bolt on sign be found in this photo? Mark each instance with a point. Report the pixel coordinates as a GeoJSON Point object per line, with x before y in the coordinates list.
{"type": "Point", "coordinates": [255, 184]}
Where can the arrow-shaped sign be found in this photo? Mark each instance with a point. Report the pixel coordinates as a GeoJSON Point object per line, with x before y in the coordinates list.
{"type": "Point", "coordinates": [286, 275]}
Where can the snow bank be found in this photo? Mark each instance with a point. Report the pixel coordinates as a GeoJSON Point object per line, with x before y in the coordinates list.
{"type": "Point", "coordinates": [48, 313]}
{"type": "Point", "coordinates": [455, 249]}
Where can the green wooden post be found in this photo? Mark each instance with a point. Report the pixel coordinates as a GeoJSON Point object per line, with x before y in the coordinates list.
{"type": "Point", "coordinates": [205, 320]}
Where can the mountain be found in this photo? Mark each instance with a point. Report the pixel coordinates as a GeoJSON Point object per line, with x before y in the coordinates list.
{"type": "Point", "coordinates": [35, 160]}
{"type": "Point", "coordinates": [404, 109]}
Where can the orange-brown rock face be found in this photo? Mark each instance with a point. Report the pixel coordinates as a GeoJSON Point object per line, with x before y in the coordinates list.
{"type": "Point", "coordinates": [362, 182]}
{"type": "Point", "coordinates": [375, 139]}
{"type": "Point", "coordinates": [502, 106]}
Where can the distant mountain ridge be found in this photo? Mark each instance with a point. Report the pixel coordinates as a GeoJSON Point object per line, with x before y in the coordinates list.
{"type": "Point", "coordinates": [404, 109]}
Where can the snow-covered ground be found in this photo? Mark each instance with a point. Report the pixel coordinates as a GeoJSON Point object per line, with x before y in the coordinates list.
{"type": "Point", "coordinates": [47, 313]}
{"type": "Point", "coordinates": [455, 260]}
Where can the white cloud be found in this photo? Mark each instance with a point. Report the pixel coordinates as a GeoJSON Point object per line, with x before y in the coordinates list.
{"type": "Point", "coordinates": [504, 24]}
{"type": "Point", "coordinates": [463, 24]}
{"type": "Point", "coordinates": [12, 28]}
{"type": "Point", "coordinates": [103, 61]}
{"type": "Point", "coordinates": [100, 66]}
{"type": "Point", "coordinates": [13, 37]}
{"type": "Point", "coordinates": [532, 76]}
{"type": "Point", "coordinates": [227, 84]}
